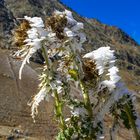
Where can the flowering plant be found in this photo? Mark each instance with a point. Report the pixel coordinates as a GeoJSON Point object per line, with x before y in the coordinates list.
{"type": "Point", "coordinates": [94, 75]}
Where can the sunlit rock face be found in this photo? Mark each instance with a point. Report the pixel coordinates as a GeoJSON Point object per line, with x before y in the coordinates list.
{"type": "Point", "coordinates": [15, 95]}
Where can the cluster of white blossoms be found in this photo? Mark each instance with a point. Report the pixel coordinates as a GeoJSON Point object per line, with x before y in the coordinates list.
{"type": "Point", "coordinates": [61, 41]}
{"type": "Point", "coordinates": [105, 61]}
{"type": "Point", "coordinates": [104, 57]}
{"type": "Point", "coordinates": [38, 34]}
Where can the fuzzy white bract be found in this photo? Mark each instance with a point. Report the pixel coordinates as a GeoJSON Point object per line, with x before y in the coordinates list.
{"type": "Point", "coordinates": [36, 101]}
{"type": "Point", "coordinates": [35, 21]}
{"type": "Point", "coordinates": [26, 60]}
{"type": "Point", "coordinates": [114, 78]}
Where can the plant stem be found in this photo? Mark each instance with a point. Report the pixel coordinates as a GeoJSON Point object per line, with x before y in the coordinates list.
{"type": "Point", "coordinates": [86, 100]}
{"type": "Point", "coordinates": [58, 103]}
{"type": "Point", "coordinates": [131, 120]}
{"type": "Point", "coordinates": [82, 85]}
{"type": "Point", "coordinates": [85, 93]}
{"type": "Point", "coordinates": [45, 56]}
{"type": "Point", "coordinates": [87, 104]}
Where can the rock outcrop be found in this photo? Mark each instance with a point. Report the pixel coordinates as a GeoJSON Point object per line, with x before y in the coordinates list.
{"type": "Point", "coordinates": [15, 94]}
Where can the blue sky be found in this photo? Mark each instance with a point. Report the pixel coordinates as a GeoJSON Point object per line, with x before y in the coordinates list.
{"type": "Point", "coordinates": [122, 13]}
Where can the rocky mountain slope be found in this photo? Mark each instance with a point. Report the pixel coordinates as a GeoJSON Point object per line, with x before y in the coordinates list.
{"type": "Point", "coordinates": [98, 34]}
{"type": "Point", "coordinates": [14, 94]}
{"type": "Point", "coordinates": [6, 24]}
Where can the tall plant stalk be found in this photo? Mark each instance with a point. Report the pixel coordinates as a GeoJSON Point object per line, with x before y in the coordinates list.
{"type": "Point", "coordinates": [58, 102]}
{"type": "Point", "coordinates": [85, 93]}
{"type": "Point", "coordinates": [58, 110]}
{"type": "Point", "coordinates": [87, 101]}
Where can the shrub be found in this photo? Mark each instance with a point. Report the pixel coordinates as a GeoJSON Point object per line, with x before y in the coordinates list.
{"type": "Point", "coordinates": [94, 74]}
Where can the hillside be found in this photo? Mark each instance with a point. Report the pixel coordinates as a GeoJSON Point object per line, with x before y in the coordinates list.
{"type": "Point", "coordinates": [14, 94]}
{"type": "Point", "coordinates": [98, 34]}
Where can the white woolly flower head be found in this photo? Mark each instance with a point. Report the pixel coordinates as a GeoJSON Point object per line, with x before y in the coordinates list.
{"type": "Point", "coordinates": [104, 59]}
{"type": "Point", "coordinates": [73, 27]}
{"type": "Point", "coordinates": [68, 15]}
{"type": "Point", "coordinates": [36, 34]}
